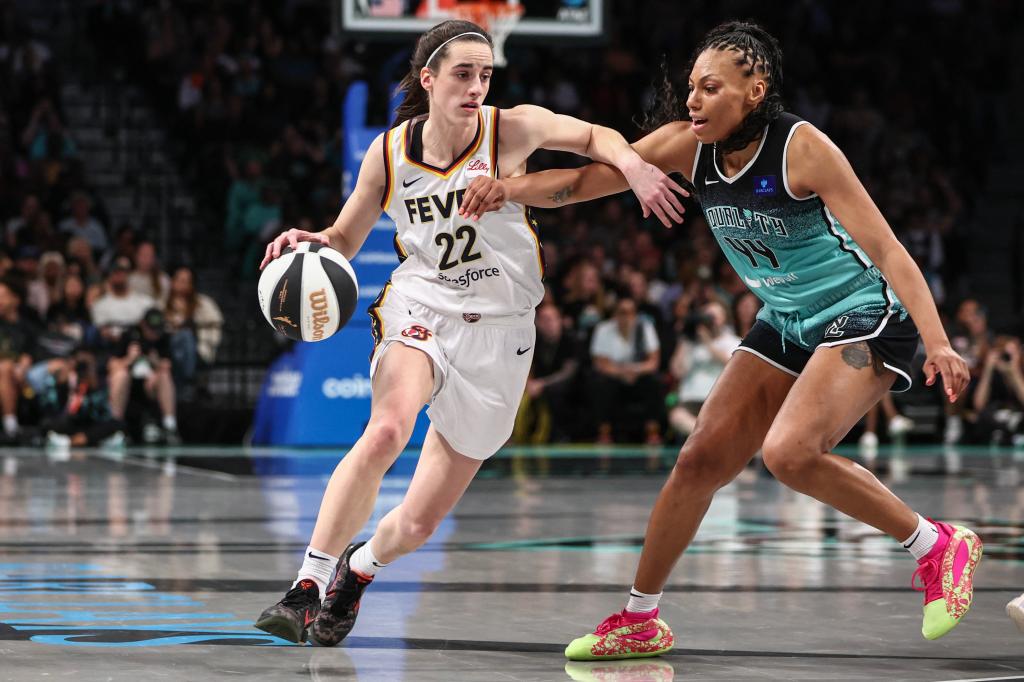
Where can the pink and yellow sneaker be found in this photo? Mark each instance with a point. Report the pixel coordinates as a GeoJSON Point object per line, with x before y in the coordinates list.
{"type": "Point", "coordinates": [947, 574]}
{"type": "Point", "coordinates": [623, 635]}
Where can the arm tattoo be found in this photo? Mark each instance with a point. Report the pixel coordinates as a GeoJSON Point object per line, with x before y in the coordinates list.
{"type": "Point", "coordinates": [561, 195]}
{"type": "Point", "coordinates": [859, 356]}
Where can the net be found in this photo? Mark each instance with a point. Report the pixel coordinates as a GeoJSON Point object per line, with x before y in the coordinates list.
{"type": "Point", "coordinates": [497, 18]}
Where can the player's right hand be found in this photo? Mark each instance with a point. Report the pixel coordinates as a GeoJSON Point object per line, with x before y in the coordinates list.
{"type": "Point", "coordinates": [483, 194]}
{"type": "Point", "coordinates": [291, 237]}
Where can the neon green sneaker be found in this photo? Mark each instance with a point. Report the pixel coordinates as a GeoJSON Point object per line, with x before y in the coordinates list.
{"type": "Point", "coordinates": [638, 670]}
{"type": "Point", "coordinates": [623, 635]}
{"type": "Point", "coordinates": [947, 577]}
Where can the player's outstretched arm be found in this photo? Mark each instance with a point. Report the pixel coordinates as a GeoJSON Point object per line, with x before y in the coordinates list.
{"type": "Point", "coordinates": [817, 165]}
{"type": "Point", "coordinates": [670, 148]}
{"type": "Point", "coordinates": [531, 127]}
{"type": "Point", "coordinates": [357, 217]}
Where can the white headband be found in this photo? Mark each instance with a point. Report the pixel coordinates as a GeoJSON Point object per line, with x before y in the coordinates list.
{"type": "Point", "coordinates": [461, 35]}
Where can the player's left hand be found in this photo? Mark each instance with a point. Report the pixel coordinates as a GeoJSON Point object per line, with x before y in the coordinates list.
{"type": "Point", "coordinates": [483, 194]}
{"type": "Point", "coordinates": [656, 192]}
{"type": "Point", "coordinates": [955, 374]}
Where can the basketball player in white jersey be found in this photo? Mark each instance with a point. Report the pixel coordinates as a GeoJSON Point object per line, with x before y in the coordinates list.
{"type": "Point", "coordinates": [453, 327]}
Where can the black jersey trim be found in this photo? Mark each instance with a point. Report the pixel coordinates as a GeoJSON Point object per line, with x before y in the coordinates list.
{"type": "Point", "coordinates": [494, 144]}
{"type": "Point", "coordinates": [831, 223]}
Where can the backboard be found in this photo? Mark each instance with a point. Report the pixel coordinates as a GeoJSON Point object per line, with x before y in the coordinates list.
{"type": "Point", "coordinates": [541, 18]}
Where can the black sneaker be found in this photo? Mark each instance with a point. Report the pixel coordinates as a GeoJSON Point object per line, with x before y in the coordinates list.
{"type": "Point", "coordinates": [290, 617]}
{"type": "Point", "coordinates": [341, 606]}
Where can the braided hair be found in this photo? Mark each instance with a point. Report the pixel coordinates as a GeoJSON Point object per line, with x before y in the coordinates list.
{"type": "Point", "coordinates": [759, 53]}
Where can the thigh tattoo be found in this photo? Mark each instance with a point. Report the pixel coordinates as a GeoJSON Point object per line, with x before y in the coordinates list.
{"type": "Point", "coordinates": [858, 355]}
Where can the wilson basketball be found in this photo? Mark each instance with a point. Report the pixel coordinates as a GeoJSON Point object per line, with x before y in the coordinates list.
{"type": "Point", "coordinates": [309, 293]}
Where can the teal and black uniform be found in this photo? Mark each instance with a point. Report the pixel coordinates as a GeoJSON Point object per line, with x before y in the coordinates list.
{"type": "Point", "coordinates": [818, 286]}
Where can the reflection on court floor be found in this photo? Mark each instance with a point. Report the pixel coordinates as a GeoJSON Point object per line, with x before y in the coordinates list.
{"type": "Point", "coordinates": [156, 562]}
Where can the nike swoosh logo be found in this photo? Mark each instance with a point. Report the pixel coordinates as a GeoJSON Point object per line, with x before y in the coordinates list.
{"type": "Point", "coordinates": [321, 558]}
{"type": "Point", "coordinates": [912, 540]}
{"type": "Point", "coordinates": [522, 350]}
{"type": "Point", "coordinates": [710, 182]}
{"type": "Point", "coordinates": [752, 283]}
{"type": "Point", "coordinates": [406, 183]}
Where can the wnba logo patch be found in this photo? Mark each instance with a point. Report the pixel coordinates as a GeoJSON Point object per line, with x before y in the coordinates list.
{"type": "Point", "coordinates": [416, 332]}
{"type": "Point", "coordinates": [764, 186]}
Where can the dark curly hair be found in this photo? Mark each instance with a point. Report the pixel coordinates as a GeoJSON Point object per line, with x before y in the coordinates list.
{"type": "Point", "coordinates": [759, 52]}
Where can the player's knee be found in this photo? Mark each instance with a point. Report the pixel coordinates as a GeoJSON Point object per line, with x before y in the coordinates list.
{"type": "Point", "coordinates": [387, 436]}
{"type": "Point", "coordinates": [700, 466]}
{"type": "Point", "coordinates": [417, 529]}
{"type": "Point", "coordinates": [788, 457]}
{"type": "Point", "coordinates": [6, 369]}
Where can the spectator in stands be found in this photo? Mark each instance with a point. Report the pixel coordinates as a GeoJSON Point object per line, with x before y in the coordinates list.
{"type": "Point", "coordinates": [545, 413]}
{"type": "Point", "coordinates": [584, 297]}
{"type": "Point", "coordinates": [81, 223]}
{"type": "Point", "coordinates": [119, 309]}
{"type": "Point", "coordinates": [998, 398]}
{"type": "Point", "coordinates": [70, 315]}
{"type": "Point", "coordinates": [45, 132]}
{"type": "Point", "coordinates": [143, 360]}
{"type": "Point", "coordinates": [20, 225]}
{"type": "Point", "coordinates": [707, 343]}
{"type": "Point", "coordinates": [973, 340]}
{"type": "Point", "coordinates": [47, 287]}
{"type": "Point", "coordinates": [16, 344]}
{"type": "Point", "coordinates": [744, 311]}
{"type": "Point", "coordinates": [195, 323]}
{"type": "Point", "coordinates": [124, 245]}
{"type": "Point", "coordinates": [76, 405]}
{"type": "Point", "coordinates": [625, 352]}
{"type": "Point", "coordinates": [243, 193]}
{"type": "Point", "coordinates": [80, 261]}
{"type": "Point", "coordinates": [148, 278]}
{"type": "Point", "coordinates": [897, 425]}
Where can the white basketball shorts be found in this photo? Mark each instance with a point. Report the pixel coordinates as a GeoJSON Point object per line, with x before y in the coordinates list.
{"type": "Point", "coordinates": [480, 367]}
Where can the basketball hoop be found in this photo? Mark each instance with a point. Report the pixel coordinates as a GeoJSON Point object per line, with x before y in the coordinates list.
{"type": "Point", "coordinates": [497, 18]}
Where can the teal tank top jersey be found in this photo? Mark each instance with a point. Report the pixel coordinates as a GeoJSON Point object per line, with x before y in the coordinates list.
{"type": "Point", "coordinates": [792, 252]}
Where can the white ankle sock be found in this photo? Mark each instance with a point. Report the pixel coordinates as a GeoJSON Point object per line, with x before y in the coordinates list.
{"type": "Point", "coordinates": [364, 562]}
{"type": "Point", "coordinates": [10, 424]}
{"type": "Point", "coordinates": [170, 422]}
{"type": "Point", "coordinates": [923, 539]}
{"type": "Point", "coordinates": [639, 602]}
{"type": "Point", "coordinates": [319, 567]}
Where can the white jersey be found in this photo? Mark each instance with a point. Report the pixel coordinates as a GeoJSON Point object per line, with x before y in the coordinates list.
{"type": "Point", "coordinates": [492, 267]}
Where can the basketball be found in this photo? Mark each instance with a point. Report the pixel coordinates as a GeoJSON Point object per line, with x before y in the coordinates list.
{"type": "Point", "coordinates": [309, 293]}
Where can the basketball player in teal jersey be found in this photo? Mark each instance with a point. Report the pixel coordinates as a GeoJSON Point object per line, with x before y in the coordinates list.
{"type": "Point", "coordinates": [454, 325]}
{"type": "Point", "coordinates": [836, 332]}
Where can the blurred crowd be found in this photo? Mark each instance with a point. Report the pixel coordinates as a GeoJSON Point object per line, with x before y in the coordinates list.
{"type": "Point", "coordinates": [98, 341]}
{"type": "Point", "coordinates": [637, 321]}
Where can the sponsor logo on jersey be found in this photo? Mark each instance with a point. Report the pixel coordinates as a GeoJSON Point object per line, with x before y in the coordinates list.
{"type": "Point", "coordinates": [471, 317]}
{"type": "Point", "coordinates": [347, 388]}
{"type": "Point", "coordinates": [318, 302]}
{"type": "Point", "coordinates": [427, 209]}
{"type": "Point", "coordinates": [764, 185]}
{"type": "Point", "coordinates": [836, 328]}
{"type": "Point", "coordinates": [477, 167]}
{"type": "Point", "coordinates": [771, 281]}
{"type": "Point", "coordinates": [417, 332]}
{"type": "Point", "coordinates": [470, 276]}
{"type": "Point", "coordinates": [745, 219]}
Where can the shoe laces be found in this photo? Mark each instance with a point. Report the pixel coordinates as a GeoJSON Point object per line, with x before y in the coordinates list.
{"type": "Point", "coordinates": [926, 571]}
{"type": "Point", "coordinates": [300, 594]}
{"type": "Point", "coordinates": [612, 622]}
